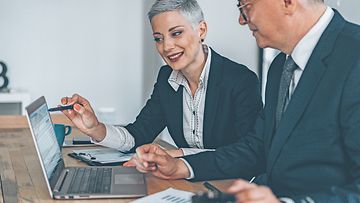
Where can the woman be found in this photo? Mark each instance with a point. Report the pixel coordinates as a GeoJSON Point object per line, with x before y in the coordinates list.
{"type": "Point", "coordinates": [205, 100]}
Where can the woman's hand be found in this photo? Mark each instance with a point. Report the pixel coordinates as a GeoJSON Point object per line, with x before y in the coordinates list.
{"type": "Point", "coordinates": [83, 117]}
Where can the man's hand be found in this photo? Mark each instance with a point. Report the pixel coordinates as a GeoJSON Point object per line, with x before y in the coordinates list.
{"type": "Point", "coordinates": [250, 192]}
{"type": "Point", "coordinates": [175, 152]}
{"type": "Point", "coordinates": [153, 159]}
{"type": "Point", "coordinates": [83, 117]}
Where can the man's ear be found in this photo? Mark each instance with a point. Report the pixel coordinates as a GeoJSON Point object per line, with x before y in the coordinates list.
{"type": "Point", "coordinates": [289, 6]}
{"type": "Point", "coordinates": [202, 30]}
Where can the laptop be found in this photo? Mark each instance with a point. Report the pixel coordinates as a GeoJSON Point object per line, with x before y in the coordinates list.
{"type": "Point", "coordinates": [77, 182]}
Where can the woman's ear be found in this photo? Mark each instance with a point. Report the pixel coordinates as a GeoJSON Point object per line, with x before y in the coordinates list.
{"type": "Point", "coordinates": [202, 30]}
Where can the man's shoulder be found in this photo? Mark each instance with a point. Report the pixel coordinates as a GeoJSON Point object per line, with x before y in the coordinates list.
{"type": "Point", "coordinates": [348, 41]}
{"type": "Point", "coordinates": [351, 32]}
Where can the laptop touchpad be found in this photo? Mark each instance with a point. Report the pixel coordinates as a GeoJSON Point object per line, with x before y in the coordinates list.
{"type": "Point", "coordinates": [126, 179]}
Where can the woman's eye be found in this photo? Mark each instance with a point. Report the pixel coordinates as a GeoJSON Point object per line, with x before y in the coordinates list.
{"type": "Point", "coordinates": [177, 33]}
{"type": "Point", "coordinates": [158, 39]}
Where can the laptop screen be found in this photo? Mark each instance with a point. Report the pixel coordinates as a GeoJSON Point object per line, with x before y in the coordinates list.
{"type": "Point", "coordinates": [44, 134]}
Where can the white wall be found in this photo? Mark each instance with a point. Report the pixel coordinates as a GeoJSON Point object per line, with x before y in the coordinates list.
{"type": "Point", "coordinates": [226, 35]}
{"type": "Point", "coordinates": [348, 8]}
{"type": "Point", "coordinates": [92, 47]}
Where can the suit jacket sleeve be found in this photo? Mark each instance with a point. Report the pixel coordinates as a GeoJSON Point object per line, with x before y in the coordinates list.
{"type": "Point", "coordinates": [151, 120]}
{"type": "Point", "coordinates": [243, 159]}
{"type": "Point", "coordinates": [247, 104]}
{"type": "Point", "coordinates": [349, 118]}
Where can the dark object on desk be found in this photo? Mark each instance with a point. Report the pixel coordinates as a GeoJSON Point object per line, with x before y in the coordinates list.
{"type": "Point", "coordinates": [78, 141]}
{"type": "Point", "coordinates": [211, 187]}
{"type": "Point", "coordinates": [81, 140]}
{"type": "Point", "coordinates": [212, 197]}
{"type": "Point", "coordinates": [4, 80]}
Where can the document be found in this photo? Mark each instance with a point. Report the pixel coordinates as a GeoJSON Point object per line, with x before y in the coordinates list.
{"type": "Point", "coordinates": [170, 195]}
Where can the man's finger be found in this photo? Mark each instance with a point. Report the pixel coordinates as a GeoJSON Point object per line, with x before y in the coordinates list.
{"type": "Point", "coordinates": [143, 165]}
{"type": "Point", "coordinates": [144, 149]}
{"type": "Point", "coordinates": [160, 160]}
{"type": "Point", "coordinates": [258, 194]}
{"type": "Point", "coordinates": [240, 185]}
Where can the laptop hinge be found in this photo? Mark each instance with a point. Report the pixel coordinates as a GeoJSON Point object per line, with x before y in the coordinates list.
{"type": "Point", "coordinates": [61, 181]}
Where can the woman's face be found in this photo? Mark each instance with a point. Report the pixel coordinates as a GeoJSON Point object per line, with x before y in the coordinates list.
{"type": "Point", "coordinates": [178, 43]}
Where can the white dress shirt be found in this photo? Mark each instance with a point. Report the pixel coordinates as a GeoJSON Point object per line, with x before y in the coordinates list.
{"type": "Point", "coordinates": [304, 48]}
{"type": "Point", "coordinates": [193, 114]}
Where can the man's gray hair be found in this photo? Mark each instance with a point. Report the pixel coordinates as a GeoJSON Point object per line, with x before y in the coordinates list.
{"type": "Point", "coordinates": [317, 1]}
{"type": "Point", "coordinates": [190, 9]}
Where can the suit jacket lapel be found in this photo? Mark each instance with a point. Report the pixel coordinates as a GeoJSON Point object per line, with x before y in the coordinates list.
{"type": "Point", "coordinates": [176, 107]}
{"type": "Point", "coordinates": [212, 96]}
{"type": "Point", "coordinates": [272, 87]}
{"type": "Point", "coordinates": [306, 87]}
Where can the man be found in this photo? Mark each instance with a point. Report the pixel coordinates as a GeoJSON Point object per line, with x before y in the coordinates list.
{"type": "Point", "coordinates": [306, 143]}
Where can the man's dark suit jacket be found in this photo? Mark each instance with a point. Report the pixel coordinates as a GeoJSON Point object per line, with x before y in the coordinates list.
{"type": "Point", "coordinates": [315, 151]}
{"type": "Point", "coordinates": [232, 105]}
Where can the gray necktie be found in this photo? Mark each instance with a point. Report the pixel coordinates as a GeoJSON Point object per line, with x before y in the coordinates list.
{"type": "Point", "coordinates": [283, 97]}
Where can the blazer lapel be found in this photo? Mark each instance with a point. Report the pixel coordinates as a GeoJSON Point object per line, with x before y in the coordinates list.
{"type": "Point", "coordinates": [306, 87]}
{"type": "Point", "coordinates": [212, 96]}
{"type": "Point", "coordinates": [176, 107]}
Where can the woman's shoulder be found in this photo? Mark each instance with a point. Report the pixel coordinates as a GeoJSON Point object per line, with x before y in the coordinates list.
{"type": "Point", "coordinates": [164, 72]}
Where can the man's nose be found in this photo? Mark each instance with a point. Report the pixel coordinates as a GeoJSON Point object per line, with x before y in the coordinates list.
{"type": "Point", "coordinates": [242, 20]}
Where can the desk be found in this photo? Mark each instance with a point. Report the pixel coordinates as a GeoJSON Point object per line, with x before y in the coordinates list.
{"type": "Point", "coordinates": [21, 175]}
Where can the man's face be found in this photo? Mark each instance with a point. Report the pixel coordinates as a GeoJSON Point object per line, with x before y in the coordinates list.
{"type": "Point", "coordinates": [264, 18]}
{"type": "Point", "coordinates": [178, 43]}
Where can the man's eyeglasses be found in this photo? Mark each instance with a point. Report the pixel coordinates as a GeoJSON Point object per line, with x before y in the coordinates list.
{"type": "Point", "coordinates": [241, 6]}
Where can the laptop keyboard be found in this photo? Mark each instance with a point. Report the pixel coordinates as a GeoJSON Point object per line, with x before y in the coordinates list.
{"type": "Point", "coordinates": [91, 180]}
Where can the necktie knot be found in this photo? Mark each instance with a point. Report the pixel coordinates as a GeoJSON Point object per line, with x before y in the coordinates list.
{"type": "Point", "coordinates": [289, 65]}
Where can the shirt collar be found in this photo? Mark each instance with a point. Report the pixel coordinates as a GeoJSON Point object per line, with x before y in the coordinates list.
{"type": "Point", "coordinates": [176, 78]}
{"type": "Point", "coordinates": [306, 45]}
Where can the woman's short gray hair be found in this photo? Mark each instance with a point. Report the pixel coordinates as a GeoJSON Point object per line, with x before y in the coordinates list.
{"type": "Point", "coordinates": [188, 8]}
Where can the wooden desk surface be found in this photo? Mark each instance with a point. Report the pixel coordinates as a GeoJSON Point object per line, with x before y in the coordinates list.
{"type": "Point", "coordinates": [21, 176]}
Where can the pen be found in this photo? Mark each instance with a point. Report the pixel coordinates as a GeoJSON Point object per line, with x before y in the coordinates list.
{"type": "Point", "coordinates": [61, 108]}
{"type": "Point", "coordinates": [252, 179]}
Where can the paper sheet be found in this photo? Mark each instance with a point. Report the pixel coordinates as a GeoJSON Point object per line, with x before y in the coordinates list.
{"type": "Point", "coordinates": [170, 195]}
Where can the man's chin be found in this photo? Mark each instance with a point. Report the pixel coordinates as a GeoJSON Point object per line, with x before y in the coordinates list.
{"type": "Point", "coordinates": [260, 44]}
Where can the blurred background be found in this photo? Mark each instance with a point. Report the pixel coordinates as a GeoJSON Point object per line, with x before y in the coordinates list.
{"type": "Point", "coordinates": [103, 50]}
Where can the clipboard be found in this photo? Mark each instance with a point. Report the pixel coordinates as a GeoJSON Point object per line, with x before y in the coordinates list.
{"type": "Point", "coordinates": [101, 156]}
